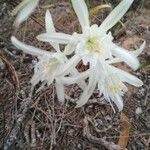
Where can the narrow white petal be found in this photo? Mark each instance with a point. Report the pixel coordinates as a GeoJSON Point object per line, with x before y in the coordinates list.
{"type": "Point", "coordinates": [75, 79]}
{"type": "Point", "coordinates": [70, 48]}
{"type": "Point", "coordinates": [50, 80]}
{"type": "Point", "coordinates": [20, 6]}
{"type": "Point", "coordinates": [60, 38]}
{"type": "Point", "coordinates": [117, 99]}
{"type": "Point", "coordinates": [81, 11]}
{"type": "Point", "coordinates": [49, 25]}
{"type": "Point", "coordinates": [116, 15]}
{"type": "Point", "coordinates": [34, 80]}
{"type": "Point", "coordinates": [66, 68]}
{"type": "Point", "coordinates": [124, 55]}
{"type": "Point", "coordinates": [89, 89]}
{"type": "Point", "coordinates": [60, 57]}
{"type": "Point", "coordinates": [55, 46]}
{"type": "Point", "coordinates": [139, 51]}
{"type": "Point", "coordinates": [26, 12]}
{"type": "Point", "coordinates": [135, 53]}
{"type": "Point", "coordinates": [86, 94]}
{"type": "Point", "coordinates": [60, 91]}
{"type": "Point", "coordinates": [129, 78]}
{"type": "Point", "coordinates": [29, 49]}
{"type": "Point", "coordinates": [81, 84]}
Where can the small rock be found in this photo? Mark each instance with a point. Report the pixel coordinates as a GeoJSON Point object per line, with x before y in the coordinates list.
{"type": "Point", "coordinates": [138, 110]}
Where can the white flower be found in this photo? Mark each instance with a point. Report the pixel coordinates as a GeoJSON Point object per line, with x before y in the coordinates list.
{"type": "Point", "coordinates": [52, 67]}
{"type": "Point", "coordinates": [95, 46]}
{"type": "Point", "coordinates": [24, 10]}
{"type": "Point", "coordinates": [48, 65]}
{"type": "Point", "coordinates": [110, 81]}
{"type": "Point", "coordinates": [94, 42]}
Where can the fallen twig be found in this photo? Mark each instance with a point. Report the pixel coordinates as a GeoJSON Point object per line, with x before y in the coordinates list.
{"type": "Point", "coordinates": [99, 141]}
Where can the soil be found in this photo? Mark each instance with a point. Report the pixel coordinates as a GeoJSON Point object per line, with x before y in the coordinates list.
{"type": "Point", "coordinates": [43, 123]}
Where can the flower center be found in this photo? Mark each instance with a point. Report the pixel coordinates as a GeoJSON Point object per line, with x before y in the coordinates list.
{"type": "Point", "coordinates": [50, 66]}
{"type": "Point", "coordinates": [93, 44]}
{"type": "Point", "coordinates": [115, 85]}
{"type": "Point", "coordinates": [115, 88]}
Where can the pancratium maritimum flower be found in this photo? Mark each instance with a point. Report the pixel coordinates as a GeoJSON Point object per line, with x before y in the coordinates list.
{"type": "Point", "coordinates": [110, 81]}
{"type": "Point", "coordinates": [52, 66]}
{"type": "Point", "coordinates": [95, 46]}
{"type": "Point", "coordinates": [94, 42]}
{"type": "Point", "coordinates": [24, 10]}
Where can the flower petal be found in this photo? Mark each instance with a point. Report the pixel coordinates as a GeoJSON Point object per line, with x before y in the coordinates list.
{"type": "Point", "coordinates": [49, 25]}
{"type": "Point", "coordinates": [60, 91]}
{"type": "Point", "coordinates": [129, 78]}
{"type": "Point", "coordinates": [60, 38]}
{"type": "Point", "coordinates": [124, 55]}
{"type": "Point", "coordinates": [139, 51]}
{"type": "Point", "coordinates": [71, 46]}
{"type": "Point", "coordinates": [60, 57]}
{"type": "Point", "coordinates": [89, 89]}
{"type": "Point", "coordinates": [135, 53]}
{"type": "Point", "coordinates": [66, 68]}
{"type": "Point", "coordinates": [35, 79]}
{"type": "Point", "coordinates": [81, 11]}
{"type": "Point", "coordinates": [20, 6]}
{"type": "Point", "coordinates": [117, 99]}
{"type": "Point", "coordinates": [29, 49]}
{"type": "Point", "coordinates": [26, 12]}
{"type": "Point", "coordinates": [76, 78]}
{"type": "Point", "coordinates": [86, 94]}
{"type": "Point", "coordinates": [116, 15]}
{"type": "Point", "coordinates": [81, 84]}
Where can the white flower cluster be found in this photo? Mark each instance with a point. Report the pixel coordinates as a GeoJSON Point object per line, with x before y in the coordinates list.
{"type": "Point", "coordinates": [94, 47]}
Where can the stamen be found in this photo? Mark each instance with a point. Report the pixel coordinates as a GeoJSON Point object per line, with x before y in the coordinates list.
{"type": "Point", "coordinates": [93, 44]}
{"type": "Point", "coordinates": [50, 66]}
{"type": "Point", "coordinates": [115, 88]}
{"type": "Point", "coordinates": [115, 84]}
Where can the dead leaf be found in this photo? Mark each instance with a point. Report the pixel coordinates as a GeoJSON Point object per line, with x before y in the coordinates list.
{"type": "Point", "coordinates": [124, 132]}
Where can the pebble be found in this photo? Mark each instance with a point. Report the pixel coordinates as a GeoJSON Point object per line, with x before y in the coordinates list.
{"type": "Point", "coordinates": [138, 110]}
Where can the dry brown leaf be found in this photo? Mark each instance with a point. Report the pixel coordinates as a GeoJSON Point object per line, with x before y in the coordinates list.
{"type": "Point", "coordinates": [124, 132]}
